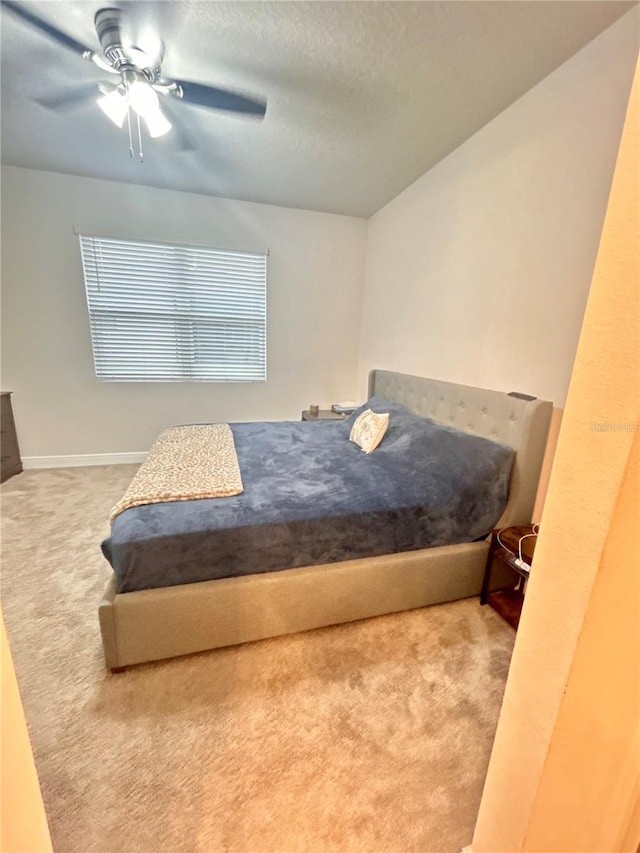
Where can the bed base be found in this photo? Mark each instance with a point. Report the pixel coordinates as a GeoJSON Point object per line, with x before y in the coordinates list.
{"type": "Point", "coordinates": [161, 623]}
{"type": "Point", "coordinates": [178, 620]}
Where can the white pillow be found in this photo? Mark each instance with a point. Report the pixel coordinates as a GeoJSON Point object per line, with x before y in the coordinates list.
{"type": "Point", "coordinates": [368, 430]}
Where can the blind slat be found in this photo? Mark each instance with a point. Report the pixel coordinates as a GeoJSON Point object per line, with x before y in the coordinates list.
{"type": "Point", "coordinates": [159, 312]}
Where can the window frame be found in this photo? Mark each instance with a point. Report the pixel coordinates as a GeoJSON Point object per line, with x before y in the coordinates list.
{"type": "Point", "coordinates": [90, 246]}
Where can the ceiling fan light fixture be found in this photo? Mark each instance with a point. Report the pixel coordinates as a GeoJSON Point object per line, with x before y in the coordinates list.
{"type": "Point", "coordinates": [143, 99]}
{"type": "Point", "coordinates": [157, 124]}
{"type": "Point", "coordinates": [115, 106]}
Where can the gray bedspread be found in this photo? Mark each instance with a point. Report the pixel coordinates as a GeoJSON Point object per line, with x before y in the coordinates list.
{"type": "Point", "coordinates": [311, 496]}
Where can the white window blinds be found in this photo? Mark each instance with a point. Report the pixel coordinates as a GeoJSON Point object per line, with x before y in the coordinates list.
{"type": "Point", "coordinates": [168, 313]}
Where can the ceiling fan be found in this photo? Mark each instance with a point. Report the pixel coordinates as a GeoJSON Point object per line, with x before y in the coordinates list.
{"type": "Point", "coordinates": [138, 90]}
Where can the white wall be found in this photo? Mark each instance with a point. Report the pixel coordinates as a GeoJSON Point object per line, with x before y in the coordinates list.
{"type": "Point", "coordinates": [479, 271]}
{"type": "Point", "coordinates": [314, 305]}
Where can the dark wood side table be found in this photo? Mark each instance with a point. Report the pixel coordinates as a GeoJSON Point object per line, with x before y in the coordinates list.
{"type": "Point", "coordinates": [11, 461]}
{"type": "Point", "coordinates": [323, 415]}
{"type": "Point", "coordinates": [502, 553]}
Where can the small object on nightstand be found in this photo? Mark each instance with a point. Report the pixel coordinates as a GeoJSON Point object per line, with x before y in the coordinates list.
{"type": "Point", "coordinates": [347, 407]}
{"type": "Point", "coordinates": [511, 550]}
{"type": "Point", "coordinates": [314, 408]}
{"type": "Point", "coordinates": [322, 415]}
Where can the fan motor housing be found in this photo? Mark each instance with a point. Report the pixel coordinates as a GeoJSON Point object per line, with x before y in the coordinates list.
{"type": "Point", "coordinates": [107, 23]}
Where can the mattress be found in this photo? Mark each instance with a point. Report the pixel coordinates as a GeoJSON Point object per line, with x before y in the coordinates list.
{"type": "Point", "coordinates": [311, 497]}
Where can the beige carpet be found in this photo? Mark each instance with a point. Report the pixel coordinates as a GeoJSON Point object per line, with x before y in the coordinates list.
{"type": "Point", "coordinates": [373, 736]}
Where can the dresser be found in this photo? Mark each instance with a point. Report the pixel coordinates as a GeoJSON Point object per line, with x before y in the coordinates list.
{"type": "Point", "coordinates": [11, 462]}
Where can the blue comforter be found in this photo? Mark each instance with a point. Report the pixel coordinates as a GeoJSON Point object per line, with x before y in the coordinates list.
{"type": "Point", "coordinates": [311, 496]}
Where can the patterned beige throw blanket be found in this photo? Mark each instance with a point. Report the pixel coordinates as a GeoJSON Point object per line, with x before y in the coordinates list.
{"type": "Point", "coordinates": [186, 462]}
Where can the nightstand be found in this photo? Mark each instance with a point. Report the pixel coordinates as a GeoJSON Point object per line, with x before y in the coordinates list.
{"type": "Point", "coordinates": [504, 544]}
{"type": "Point", "coordinates": [323, 415]}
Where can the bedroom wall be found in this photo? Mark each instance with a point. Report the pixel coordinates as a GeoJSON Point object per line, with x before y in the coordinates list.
{"type": "Point", "coordinates": [479, 271]}
{"type": "Point", "coordinates": [314, 304]}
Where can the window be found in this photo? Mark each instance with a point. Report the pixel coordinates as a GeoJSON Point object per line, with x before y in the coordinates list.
{"type": "Point", "coordinates": [169, 313]}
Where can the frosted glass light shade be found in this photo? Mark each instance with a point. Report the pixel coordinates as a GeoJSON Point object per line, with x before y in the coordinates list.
{"type": "Point", "coordinates": [157, 123]}
{"type": "Point", "coordinates": [143, 98]}
{"type": "Point", "coordinates": [115, 106]}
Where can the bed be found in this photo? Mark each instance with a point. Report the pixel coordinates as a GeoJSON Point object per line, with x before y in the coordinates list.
{"type": "Point", "coordinates": [261, 598]}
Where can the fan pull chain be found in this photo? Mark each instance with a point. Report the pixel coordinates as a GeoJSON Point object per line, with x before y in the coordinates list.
{"type": "Point", "coordinates": [140, 140]}
{"type": "Point", "coordinates": [131, 154]}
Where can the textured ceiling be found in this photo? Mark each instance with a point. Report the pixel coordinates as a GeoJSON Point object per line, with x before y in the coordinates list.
{"type": "Point", "coordinates": [363, 97]}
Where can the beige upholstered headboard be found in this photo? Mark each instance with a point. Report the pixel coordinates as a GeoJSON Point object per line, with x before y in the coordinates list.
{"type": "Point", "coordinates": [523, 424]}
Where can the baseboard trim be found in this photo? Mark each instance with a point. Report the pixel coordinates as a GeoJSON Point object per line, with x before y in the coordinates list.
{"type": "Point", "coordinates": [81, 460]}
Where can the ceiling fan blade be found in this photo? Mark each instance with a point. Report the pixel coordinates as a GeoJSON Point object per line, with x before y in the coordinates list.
{"type": "Point", "coordinates": [69, 99]}
{"type": "Point", "coordinates": [220, 99]}
{"type": "Point", "coordinates": [44, 27]}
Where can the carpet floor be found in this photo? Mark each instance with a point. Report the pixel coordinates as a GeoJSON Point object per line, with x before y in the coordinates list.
{"type": "Point", "coordinates": [373, 736]}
